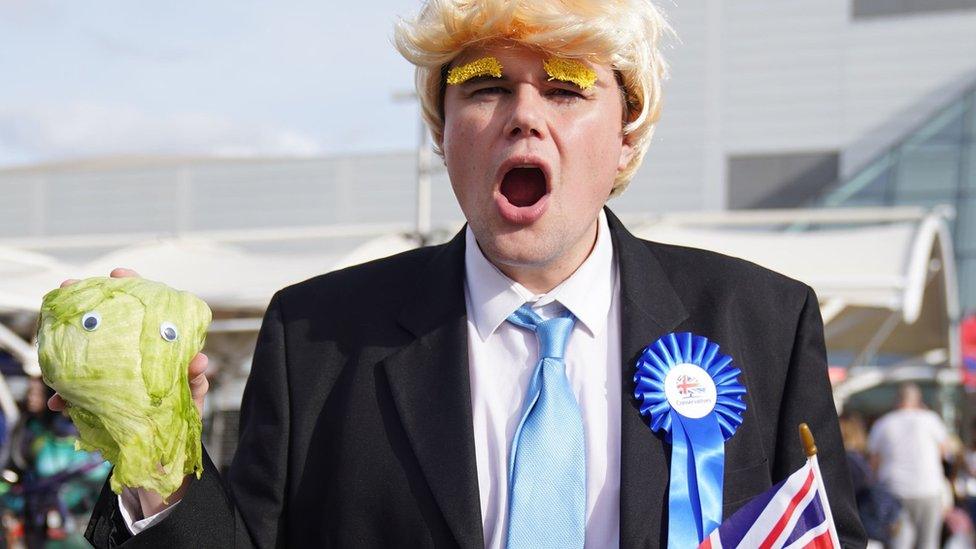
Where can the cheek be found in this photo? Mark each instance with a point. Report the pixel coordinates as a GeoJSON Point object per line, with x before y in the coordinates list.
{"type": "Point", "coordinates": [467, 136]}
{"type": "Point", "coordinates": [590, 151]}
{"type": "Point", "coordinates": [462, 162]}
{"type": "Point", "coordinates": [591, 145]}
{"type": "Point", "coordinates": [464, 120]}
{"type": "Point", "coordinates": [460, 134]}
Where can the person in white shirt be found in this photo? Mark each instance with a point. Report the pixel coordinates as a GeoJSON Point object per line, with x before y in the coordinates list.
{"type": "Point", "coordinates": [906, 447]}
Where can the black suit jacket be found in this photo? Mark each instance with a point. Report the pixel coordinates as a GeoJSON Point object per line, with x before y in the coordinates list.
{"type": "Point", "coordinates": [356, 426]}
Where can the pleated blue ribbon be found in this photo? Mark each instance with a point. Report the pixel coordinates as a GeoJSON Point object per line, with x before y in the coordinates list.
{"type": "Point", "coordinates": [697, 443]}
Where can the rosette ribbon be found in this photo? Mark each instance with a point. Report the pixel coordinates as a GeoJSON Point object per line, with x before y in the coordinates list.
{"type": "Point", "coordinates": [697, 444]}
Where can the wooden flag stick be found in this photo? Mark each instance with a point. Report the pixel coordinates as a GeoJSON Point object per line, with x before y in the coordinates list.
{"type": "Point", "coordinates": [809, 445]}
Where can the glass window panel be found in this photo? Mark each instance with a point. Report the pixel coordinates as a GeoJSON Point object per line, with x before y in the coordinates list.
{"type": "Point", "coordinates": [865, 200]}
{"type": "Point", "coordinates": [859, 199]}
{"type": "Point", "coordinates": [966, 225]}
{"type": "Point", "coordinates": [945, 128]}
{"type": "Point", "coordinates": [969, 182]}
{"type": "Point", "coordinates": [928, 168]}
{"type": "Point", "coordinates": [969, 146]}
{"type": "Point", "coordinates": [970, 130]}
{"type": "Point", "coordinates": [876, 189]}
{"type": "Point", "coordinates": [867, 187]}
{"type": "Point", "coordinates": [924, 201]}
{"type": "Point", "coordinates": [953, 130]}
{"type": "Point", "coordinates": [967, 283]}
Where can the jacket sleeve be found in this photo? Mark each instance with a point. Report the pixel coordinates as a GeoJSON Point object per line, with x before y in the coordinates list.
{"type": "Point", "coordinates": [259, 472]}
{"type": "Point", "coordinates": [248, 509]}
{"type": "Point", "coordinates": [807, 398]}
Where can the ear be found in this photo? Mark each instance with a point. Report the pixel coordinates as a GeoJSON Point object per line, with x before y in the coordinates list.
{"type": "Point", "coordinates": [626, 154]}
{"type": "Point", "coordinates": [439, 146]}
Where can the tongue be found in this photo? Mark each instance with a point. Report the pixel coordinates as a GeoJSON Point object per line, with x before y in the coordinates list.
{"type": "Point", "coordinates": [524, 186]}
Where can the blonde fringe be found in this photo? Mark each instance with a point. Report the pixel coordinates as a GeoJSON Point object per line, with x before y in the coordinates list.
{"type": "Point", "coordinates": [624, 34]}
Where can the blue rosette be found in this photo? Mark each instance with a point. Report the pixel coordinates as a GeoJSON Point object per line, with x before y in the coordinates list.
{"type": "Point", "coordinates": [690, 391]}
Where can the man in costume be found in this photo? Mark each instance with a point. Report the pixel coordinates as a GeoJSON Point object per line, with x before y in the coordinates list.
{"type": "Point", "coordinates": [481, 393]}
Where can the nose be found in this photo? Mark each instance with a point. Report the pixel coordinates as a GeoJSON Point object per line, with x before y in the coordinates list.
{"type": "Point", "coordinates": [527, 116]}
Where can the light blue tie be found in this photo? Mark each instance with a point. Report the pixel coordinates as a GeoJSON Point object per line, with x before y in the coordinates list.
{"type": "Point", "coordinates": [547, 483]}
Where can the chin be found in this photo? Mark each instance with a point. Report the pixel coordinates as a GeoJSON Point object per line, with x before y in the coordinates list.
{"type": "Point", "coordinates": [520, 248]}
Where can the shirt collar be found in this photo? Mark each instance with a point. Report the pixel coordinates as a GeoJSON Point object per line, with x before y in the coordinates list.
{"type": "Point", "coordinates": [586, 293]}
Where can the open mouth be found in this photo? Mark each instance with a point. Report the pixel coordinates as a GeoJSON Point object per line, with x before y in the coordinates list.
{"type": "Point", "coordinates": [523, 186]}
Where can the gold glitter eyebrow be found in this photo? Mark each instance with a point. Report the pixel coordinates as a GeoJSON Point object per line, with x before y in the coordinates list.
{"type": "Point", "coordinates": [486, 66]}
{"type": "Point", "coordinates": [570, 70]}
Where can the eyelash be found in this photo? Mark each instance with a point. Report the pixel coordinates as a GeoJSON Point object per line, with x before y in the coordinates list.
{"type": "Point", "coordinates": [555, 92]}
{"type": "Point", "coordinates": [490, 89]}
{"type": "Point", "coordinates": [563, 92]}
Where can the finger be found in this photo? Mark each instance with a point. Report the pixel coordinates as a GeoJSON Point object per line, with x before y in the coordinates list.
{"type": "Point", "coordinates": [198, 365]}
{"type": "Point", "coordinates": [56, 403]}
{"type": "Point", "coordinates": [122, 272]}
{"type": "Point", "coordinates": [199, 384]}
{"type": "Point", "coordinates": [68, 282]}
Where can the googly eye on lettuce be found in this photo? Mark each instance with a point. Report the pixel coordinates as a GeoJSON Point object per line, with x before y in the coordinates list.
{"type": "Point", "coordinates": [117, 351]}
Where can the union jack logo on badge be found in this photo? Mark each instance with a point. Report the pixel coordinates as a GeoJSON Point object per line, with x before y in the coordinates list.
{"type": "Point", "coordinates": [688, 386]}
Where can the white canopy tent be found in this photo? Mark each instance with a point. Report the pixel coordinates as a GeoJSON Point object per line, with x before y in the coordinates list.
{"type": "Point", "coordinates": [17, 264]}
{"type": "Point", "coordinates": [224, 276]}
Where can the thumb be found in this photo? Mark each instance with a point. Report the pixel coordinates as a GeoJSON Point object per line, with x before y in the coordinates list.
{"type": "Point", "coordinates": [199, 384]}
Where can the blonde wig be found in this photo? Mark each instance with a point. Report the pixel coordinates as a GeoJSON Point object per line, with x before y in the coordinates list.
{"type": "Point", "coordinates": [623, 34]}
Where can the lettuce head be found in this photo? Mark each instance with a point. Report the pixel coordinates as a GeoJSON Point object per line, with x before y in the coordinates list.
{"type": "Point", "coordinates": [117, 351]}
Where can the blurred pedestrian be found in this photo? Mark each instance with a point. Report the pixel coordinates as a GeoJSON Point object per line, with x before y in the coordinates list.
{"type": "Point", "coordinates": [4, 439]}
{"type": "Point", "coordinates": [967, 490]}
{"type": "Point", "coordinates": [54, 478]}
{"type": "Point", "coordinates": [907, 446]}
{"type": "Point", "coordinates": [41, 512]}
{"type": "Point", "coordinates": [880, 511]}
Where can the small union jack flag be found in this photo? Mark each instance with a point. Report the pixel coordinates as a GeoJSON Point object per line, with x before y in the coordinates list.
{"type": "Point", "coordinates": [793, 514]}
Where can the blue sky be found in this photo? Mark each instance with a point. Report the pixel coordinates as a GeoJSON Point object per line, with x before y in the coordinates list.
{"type": "Point", "coordinates": [296, 77]}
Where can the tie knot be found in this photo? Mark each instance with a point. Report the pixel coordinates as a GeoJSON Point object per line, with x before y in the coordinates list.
{"type": "Point", "coordinates": [553, 334]}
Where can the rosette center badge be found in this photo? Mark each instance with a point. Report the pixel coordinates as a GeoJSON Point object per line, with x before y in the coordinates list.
{"type": "Point", "coordinates": [690, 390]}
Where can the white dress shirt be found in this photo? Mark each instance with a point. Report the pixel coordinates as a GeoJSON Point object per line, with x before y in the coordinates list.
{"type": "Point", "coordinates": [502, 358]}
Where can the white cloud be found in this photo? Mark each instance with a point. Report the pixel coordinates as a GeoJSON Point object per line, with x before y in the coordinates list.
{"type": "Point", "coordinates": [90, 130]}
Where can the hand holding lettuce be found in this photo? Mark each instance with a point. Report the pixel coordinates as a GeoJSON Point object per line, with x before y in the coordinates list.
{"type": "Point", "coordinates": [117, 349]}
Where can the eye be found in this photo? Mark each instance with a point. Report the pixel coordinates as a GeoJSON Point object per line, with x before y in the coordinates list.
{"type": "Point", "coordinates": [491, 90]}
{"type": "Point", "coordinates": [168, 331]}
{"type": "Point", "coordinates": [91, 321]}
{"type": "Point", "coordinates": [565, 93]}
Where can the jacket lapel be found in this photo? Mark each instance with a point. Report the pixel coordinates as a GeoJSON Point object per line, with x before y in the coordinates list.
{"type": "Point", "coordinates": [649, 309]}
{"type": "Point", "coordinates": [432, 394]}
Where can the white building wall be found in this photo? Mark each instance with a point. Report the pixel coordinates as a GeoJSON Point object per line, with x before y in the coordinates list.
{"type": "Point", "coordinates": [673, 176]}
{"type": "Point", "coordinates": [784, 83]}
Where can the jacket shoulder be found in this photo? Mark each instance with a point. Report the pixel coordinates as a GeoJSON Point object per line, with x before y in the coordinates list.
{"type": "Point", "coordinates": [393, 270]}
{"type": "Point", "coordinates": [718, 279]}
{"type": "Point", "coordinates": [367, 292]}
